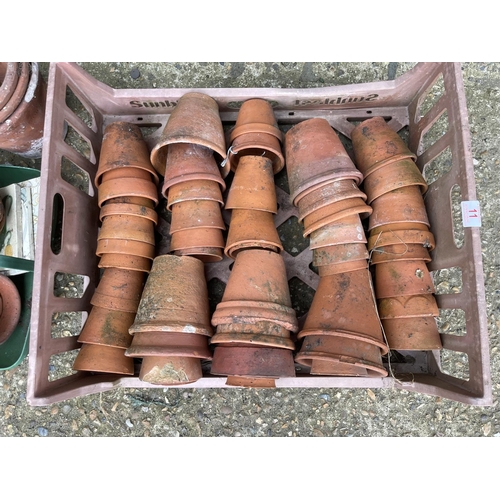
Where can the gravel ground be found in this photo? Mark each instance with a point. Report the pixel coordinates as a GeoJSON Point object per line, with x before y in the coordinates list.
{"type": "Point", "coordinates": [282, 412]}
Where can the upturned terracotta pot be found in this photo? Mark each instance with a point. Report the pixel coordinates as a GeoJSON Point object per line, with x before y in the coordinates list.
{"type": "Point", "coordinates": [125, 247]}
{"type": "Point", "coordinates": [326, 195]}
{"type": "Point", "coordinates": [119, 290]}
{"type": "Point", "coordinates": [412, 334]}
{"type": "Point", "coordinates": [170, 370]}
{"type": "Point", "coordinates": [190, 162]}
{"type": "Point", "coordinates": [389, 237]}
{"type": "Point", "coordinates": [175, 298]}
{"type": "Point", "coordinates": [9, 106]}
{"type": "Point", "coordinates": [252, 229]}
{"type": "Point", "coordinates": [343, 267]}
{"type": "Point", "coordinates": [401, 278]}
{"type": "Point", "coordinates": [204, 254]}
{"type": "Point", "coordinates": [9, 76]}
{"type": "Point", "coordinates": [128, 262]}
{"type": "Point", "coordinates": [335, 254]}
{"type": "Point", "coordinates": [127, 227]}
{"type": "Point", "coordinates": [197, 238]}
{"type": "Point", "coordinates": [196, 214]}
{"type": "Point", "coordinates": [408, 306]}
{"type": "Point", "coordinates": [265, 362]}
{"type": "Point", "coordinates": [314, 155]}
{"type": "Point", "coordinates": [118, 188]}
{"type": "Point", "coordinates": [391, 253]}
{"type": "Point", "coordinates": [399, 206]}
{"type": "Point", "coordinates": [343, 231]}
{"type": "Point", "coordinates": [10, 307]}
{"type": "Point", "coordinates": [128, 209]}
{"type": "Point", "coordinates": [124, 149]}
{"type": "Point", "coordinates": [103, 359]}
{"type": "Point", "coordinates": [194, 190]}
{"type": "Point", "coordinates": [194, 120]}
{"type": "Point", "coordinates": [374, 142]}
{"type": "Point", "coordinates": [253, 186]}
{"type": "Point", "coordinates": [107, 327]}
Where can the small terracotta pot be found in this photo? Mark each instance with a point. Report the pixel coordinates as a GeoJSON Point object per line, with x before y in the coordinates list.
{"type": "Point", "coordinates": [118, 188]}
{"type": "Point", "coordinates": [412, 334]}
{"type": "Point", "coordinates": [417, 237]}
{"type": "Point", "coordinates": [252, 229]}
{"type": "Point", "coordinates": [408, 306]}
{"type": "Point", "coordinates": [19, 92]}
{"type": "Point", "coordinates": [10, 308]}
{"type": "Point", "coordinates": [314, 155]}
{"type": "Point", "coordinates": [124, 149]}
{"type": "Point", "coordinates": [9, 77]}
{"type": "Point", "coordinates": [204, 254]}
{"type": "Point", "coordinates": [343, 267]}
{"type": "Point", "coordinates": [399, 206]}
{"type": "Point", "coordinates": [374, 142]}
{"type": "Point", "coordinates": [194, 120]}
{"type": "Point", "coordinates": [107, 327]}
{"type": "Point", "coordinates": [342, 253]}
{"type": "Point", "coordinates": [194, 190]}
{"type": "Point", "coordinates": [401, 278]}
{"type": "Point", "coordinates": [197, 238]}
{"type": "Point", "coordinates": [391, 253]}
{"type": "Point", "coordinates": [127, 227]}
{"type": "Point", "coordinates": [332, 192]}
{"type": "Point", "coordinates": [190, 162]}
{"type": "Point", "coordinates": [175, 298]}
{"type": "Point", "coordinates": [253, 186]}
{"type": "Point", "coordinates": [266, 362]}
{"type": "Point", "coordinates": [128, 209]}
{"type": "Point", "coordinates": [125, 247]}
{"type": "Point", "coordinates": [128, 262]}
{"type": "Point", "coordinates": [196, 214]}
{"type": "Point", "coordinates": [132, 200]}
{"type": "Point", "coordinates": [103, 359]}
{"type": "Point", "coordinates": [119, 290]}
{"type": "Point", "coordinates": [343, 231]}
{"type": "Point", "coordinates": [170, 370]}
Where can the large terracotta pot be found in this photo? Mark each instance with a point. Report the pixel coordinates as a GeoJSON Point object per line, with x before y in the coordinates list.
{"type": "Point", "coordinates": [412, 334]}
{"type": "Point", "coordinates": [103, 359]}
{"type": "Point", "coordinates": [194, 190]}
{"type": "Point", "coordinates": [10, 307]}
{"type": "Point", "coordinates": [194, 214]}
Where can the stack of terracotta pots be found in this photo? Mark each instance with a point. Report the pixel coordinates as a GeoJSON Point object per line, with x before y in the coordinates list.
{"type": "Point", "coordinates": [127, 195]}
{"type": "Point", "coordinates": [342, 333]}
{"type": "Point", "coordinates": [22, 108]}
{"type": "Point", "coordinates": [193, 184]}
{"type": "Point", "coordinates": [399, 236]}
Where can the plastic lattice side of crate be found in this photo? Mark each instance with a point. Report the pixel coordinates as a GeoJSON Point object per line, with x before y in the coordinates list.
{"type": "Point", "coordinates": [422, 103]}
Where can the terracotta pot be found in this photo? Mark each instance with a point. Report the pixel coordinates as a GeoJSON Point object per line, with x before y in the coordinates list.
{"type": "Point", "coordinates": [10, 308]}
{"type": "Point", "coordinates": [126, 173]}
{"type": "Point", "coordinates": [197, 238]}
{"type": "Point", "coordinates": [339, 254]}
{"type": "Point", "coordinates": [412, 334]}
{"type": "Point", "coordinates": [196, 214]}
{"type": "Point", "coordinates": [132, 200]}
{"type": "Point", "coordinates": [194, 120]}
{"type": "Point", "coordinates": [335, 212]}
{"type": "Point", "coordinates": [409, 306]}
{"type": "Point", "coordinates": [399, 206]}
{"type": "Point", "coordinates": [194, 190]}
{"type": "Point", "coordinates": [103, 359]}
{"type": "Point", "coordinates": [332, 192]}
{"type": "Point", "coordinates": [127, 227]}
{"type": "Point", "coordinates": [19, 91]}
{"type": "Point", "coordinates": [128, 209]}
{"type": "Point", "coordinates": [119, 290]}
{"type": "Point", "coordinates": [314, 155]}
{"type": "Point", "coordinates": [252, 229]}
{"type": "Point", "coordinates": [124, 149]}
{"type": "Point", "coordinates": [118, 188]}
{"type": "Point", "coordinates": [9, 76]}
{"type": "Point", "coordinates": [253, 186]}
{"type": "Point", "coordinates": [391, 253]}
{"type": "Point", "coordinates": [401, 226]}
{"type": "Point", "coordinates": [128, 262]}
{"type": "Point", "coordinates": [401, 278]}
{"type": "Point", "coordinates": [256, 339]}
{"type": "Point", "coordinates": [418, 237]}
{"type": "Point", "coordinates": [125, 247]}
{"type": "Point", "coordinates": [190, 162]}
{"type": "Point", "coordinates": [204, 254]}
{"type": "Point", "coordinates": [22, 132]}
{"type": "Point", "coordinates": [107, 327]}
{"type": "Point", "coordinates": [374, 142]}
{"type": "Point", "coordinates": [258, 327]}
{"type": "Point", "coordinates": [266, 362]}
{"type": "Point", "coordinates": [343, 267]}
{"type": "Point", "coordinates": [396, 175]}
{"type": "Point", "coordinates": [170, 370]}
{"type": "Point", "coordinates": [343, 231]}
{"type": "Point", "coordinates": [175, 298]}
{"type": "Point", "coordinates": [341, 356]}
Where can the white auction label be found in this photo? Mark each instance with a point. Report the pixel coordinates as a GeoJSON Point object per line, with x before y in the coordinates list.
{"type": "Point", "coordinates": [471, 214]}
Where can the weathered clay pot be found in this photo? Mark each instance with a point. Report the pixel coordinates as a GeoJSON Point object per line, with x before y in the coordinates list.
{"type": "Point", "coordinates": [107, 327]}
{"type": "Point", "coordinates": [132, 200]}
{"type": "Point", "coordinates": [401, 278]}
{"type": "Point", "coordinates": [190, 162]}
{"type": "Point", "coordinates": [175, 298]}
{"type": "Point", "coordinates": [9, 76]}
{"type": "Point", "coordinates": [342, 267]}
{"type": "Point", "coordinates": [314, 155]}
{"type": "Point", "coordinates": [103, 359]}
{"type": "Point", "coordinates": [127, 227]}
{"type": "Point", "coordinates": [391, 253]}
{"type": "Point", "coordinates": [335, 254]}
{"type": "Point", "coordinates": [129, 262]}
{"type": "Point", "coordinates": [253, 186]}
{"type": "Point", "coordinates": [418, 237]}
{"type": "Point", "coordinates": [119, 290]}
{"type": "Point", "coordinates": [197, 238]}
{"type": "Point", "coordinates": [400, 226]}
{"type": "Point", "coordinates": [10, 307]}
{"type": "Point", "coordinates": [128, 209]}
{"type": "Point", "coordinates": [343, 231]}
{"type": "Point", "coordinates": [194, 190]}
{"type": "Point", "coordinates": [375, 142]}
{"type": "Point", "coordinates": [194, 120]}
{"type": "Point", "coordinates": [252, 229]}
{"type": "Point", "coordinates": [118, 188]}
{"type": "Point", "coordinates": [9, 106]}
{"type": "Point", "coordinates": [170, 370]}
{"type": "Point", "coordinates": [408, 306]}
{"type": "Point", "coordinates": [123, 149]}
{"type": "Point", "coordinates": [204, 254]}
{"type": "Point", "coordinates": [256, 339]}
{"type": "Point", "coordinates": [412, 334]}
{"type": "Point", "coordinates": [258, 327]}
{"type": "Point", "coordinates": [266, 362]}
{"type": "Point", "coordinates": [125, 247]}
{"type": "Point", "coordinates": [196, 214]}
